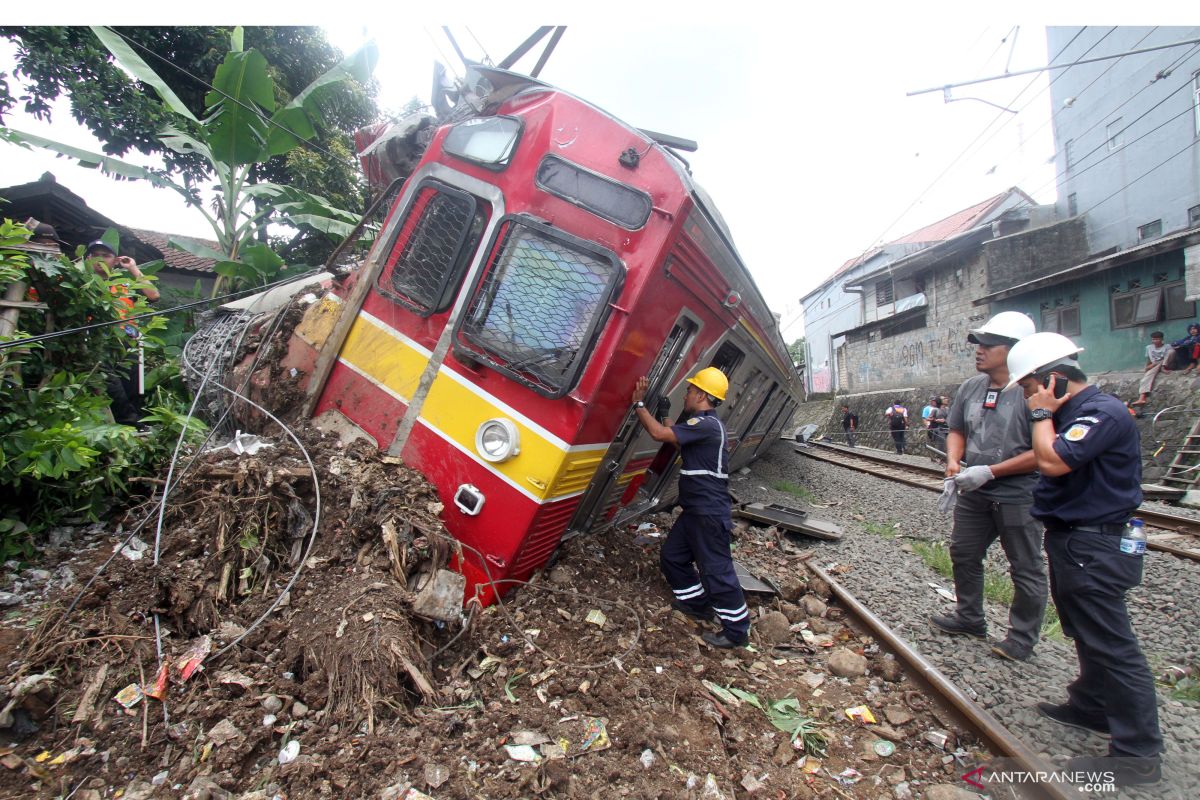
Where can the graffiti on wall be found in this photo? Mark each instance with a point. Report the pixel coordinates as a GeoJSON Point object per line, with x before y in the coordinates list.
{"type": "Point", "coordinates": [916, 357]}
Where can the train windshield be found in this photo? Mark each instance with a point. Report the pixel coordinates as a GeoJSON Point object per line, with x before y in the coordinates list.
{"type": "Point", "coordinates": [535, 314]}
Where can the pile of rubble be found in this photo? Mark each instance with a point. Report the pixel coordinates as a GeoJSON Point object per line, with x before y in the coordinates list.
{"type": "Point", "coordinates": [583, 683]}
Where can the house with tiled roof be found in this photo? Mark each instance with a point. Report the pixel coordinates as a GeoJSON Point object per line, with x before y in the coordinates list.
{"type": "Point", "coordinates": [896, 315]}
{"type": "Point", "coordinates": [75, 223]}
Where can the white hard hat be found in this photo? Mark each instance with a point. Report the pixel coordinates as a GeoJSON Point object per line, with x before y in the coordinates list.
{"type": "Point", "coordinates": [1007, 327]}
{"type": "Point", "coordinates": [1036, 352]}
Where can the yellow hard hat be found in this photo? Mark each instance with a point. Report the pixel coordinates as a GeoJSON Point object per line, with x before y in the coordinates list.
{"type": "Point", "coordinates": [711, 380]}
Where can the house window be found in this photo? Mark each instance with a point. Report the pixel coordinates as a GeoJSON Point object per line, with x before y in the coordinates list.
{"type": "Point", "coordinates": [1064, 320]}
{"type": "Point", "coordinates": [1115, 134]}
{"type": "Point", "coordinates": [1151, 230]}
{"type": "Point", "coordinates": [1193, 216]}
{"type": "Point", "coordinates": [1072, 205]}
{"type": "Point", "coordinates": [1068, 155]}
{"type": "Point", "coordinates": [884, 293]}
{"type": "Point", "coordinates": [1153, 304]}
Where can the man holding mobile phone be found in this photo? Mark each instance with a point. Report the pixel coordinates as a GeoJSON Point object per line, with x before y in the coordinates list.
{"type": "Point", "coordinates": [1089, 454]}
{"type": "Point", "coordinates": [989, 458]}
{"type": "Point", "coordinates": [125, 379]}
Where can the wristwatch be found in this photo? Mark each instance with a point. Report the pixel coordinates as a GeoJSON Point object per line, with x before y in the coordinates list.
{"type": "Point", "coordinates": [639, 404]}
{"type": "Point", "coordinates": [1039, 414]}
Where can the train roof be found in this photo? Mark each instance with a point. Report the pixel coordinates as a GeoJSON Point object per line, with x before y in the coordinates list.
{"type": "Point", "coordinates": [488, 88]}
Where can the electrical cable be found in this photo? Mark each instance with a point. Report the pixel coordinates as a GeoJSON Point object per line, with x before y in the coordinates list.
{"type": "Point", "coordinates": [157, 313]}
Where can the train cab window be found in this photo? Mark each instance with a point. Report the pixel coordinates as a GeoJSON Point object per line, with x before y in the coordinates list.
{"type": "Point", "coordinates": [599, 194]}
{"type": "Point", "coordinates": [537, 310]}
{"type": "Point", "coordinates": [431, 248]}
{"type": "Point", "coordinates": [727, 359]}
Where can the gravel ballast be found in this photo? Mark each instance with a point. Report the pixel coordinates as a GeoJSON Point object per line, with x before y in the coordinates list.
{"type": "Point", "coordinates": [882, 520]}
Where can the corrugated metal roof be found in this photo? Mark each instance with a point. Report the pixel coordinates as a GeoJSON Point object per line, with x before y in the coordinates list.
{"type": "Point", "coordinates": [939, 231]}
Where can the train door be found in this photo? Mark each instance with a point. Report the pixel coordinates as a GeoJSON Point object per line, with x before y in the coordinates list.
{"type": "Point", "coordinates": [633, 451]}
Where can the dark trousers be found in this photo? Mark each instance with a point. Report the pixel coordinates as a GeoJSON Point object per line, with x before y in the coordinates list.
{"type": "Point", "coordinates": [1089, 576]}
{"type": "Point", "coordinates": [696, 562]}
{"type": "Point", "coordinates": [851, 437]}
{"type": "Point", "coordinates": [979, 521]}
{"type": "Point", "coordinates": [898, 439]}
{"type": "Point", "coordinates": [122, 387]}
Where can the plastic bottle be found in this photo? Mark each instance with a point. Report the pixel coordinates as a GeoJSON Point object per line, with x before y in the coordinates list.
{"type": "Point", "coordinates": [1133, 541]}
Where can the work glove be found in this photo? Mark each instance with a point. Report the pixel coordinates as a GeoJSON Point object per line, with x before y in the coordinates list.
{"type": "Point", "coordinates": [949, 496]}
{"type": "Point", "coordinates": [972, 478]}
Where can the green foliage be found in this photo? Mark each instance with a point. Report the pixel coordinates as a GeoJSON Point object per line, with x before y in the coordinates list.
{"type": "Point", "coordinates": [61, 456]}
{"type": "Point", "coordinates": [796, 351]}
{"type": "Point", "coordinates": [787, 716]}
{"type": "Point", "coordinates": [796, 490]}
{"type": "Point", "coordinates": [886, 530]}
{"type": "Point", "coordinates": [248, 121]}
{"type": "Point", "coordinates": [997, 587]}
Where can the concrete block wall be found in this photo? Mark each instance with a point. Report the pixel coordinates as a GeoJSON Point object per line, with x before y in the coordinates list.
{"type": "Point", "coordinates": [935, 354]}
{"type": "Point", "coordinates": [1034, 254]}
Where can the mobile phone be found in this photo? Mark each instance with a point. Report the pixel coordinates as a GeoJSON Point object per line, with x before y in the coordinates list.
{"type": "Point", "coordinates": [1060, 384]}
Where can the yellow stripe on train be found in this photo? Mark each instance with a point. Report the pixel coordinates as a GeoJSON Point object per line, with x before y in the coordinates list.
{"type": "Point", "coordinates": [543, 468]}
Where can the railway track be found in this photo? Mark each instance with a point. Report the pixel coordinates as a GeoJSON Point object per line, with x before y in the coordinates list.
{"type": "Point", "coordinates": [1179, 536]}
{"type": "Point", "coordinates": [999, 740]}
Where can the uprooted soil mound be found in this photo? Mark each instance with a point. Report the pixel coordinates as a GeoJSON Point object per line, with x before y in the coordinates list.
{"type": "Point", "coordinates": [583, 683]}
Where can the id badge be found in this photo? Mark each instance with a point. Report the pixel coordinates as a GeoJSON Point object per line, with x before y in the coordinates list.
{"type": "Point", "coordinates": [991, 399]}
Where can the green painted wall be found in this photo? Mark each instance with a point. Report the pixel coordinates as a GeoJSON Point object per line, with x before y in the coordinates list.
{"type": "Point", "coordinates": [1107, 349]}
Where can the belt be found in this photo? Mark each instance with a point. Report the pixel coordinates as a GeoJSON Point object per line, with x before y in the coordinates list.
{"type": "Point", "coordinates": [1107, 528]}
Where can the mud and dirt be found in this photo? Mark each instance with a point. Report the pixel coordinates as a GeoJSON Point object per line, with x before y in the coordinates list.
{"type": "Point", "coordinates": [583, 683]}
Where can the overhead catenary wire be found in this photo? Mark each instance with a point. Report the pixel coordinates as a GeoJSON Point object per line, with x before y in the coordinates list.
{"type": "Point", "coordinates": [1075, 169]}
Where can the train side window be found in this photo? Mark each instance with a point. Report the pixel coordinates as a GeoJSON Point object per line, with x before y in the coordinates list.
{"type": "Point", "coordinates": [606, 198]}
{"type": "Point", "coordinates": [431, 248]}
{"type": "Point", "coordinates": [537, 311]}
{"type": "Point", "coordinates": [727, 359]}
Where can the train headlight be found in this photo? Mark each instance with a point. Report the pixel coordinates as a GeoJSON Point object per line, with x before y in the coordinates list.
{"type": "Point", "coordinates": [497, 440]}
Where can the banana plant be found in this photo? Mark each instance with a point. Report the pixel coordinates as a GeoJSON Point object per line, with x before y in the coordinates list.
{"type": "Point", "coordinates": [242, 127]}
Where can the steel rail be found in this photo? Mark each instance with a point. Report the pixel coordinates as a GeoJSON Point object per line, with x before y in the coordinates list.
{"type": "Point", "coordinates": [930, 479]}
{"type": "Point", "coordinates": [998, 738]}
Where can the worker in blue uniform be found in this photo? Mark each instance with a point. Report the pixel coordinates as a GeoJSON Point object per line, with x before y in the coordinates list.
{"type": "Point", "coordinates": [695, 557]}
{"type": "Point", "coordinates": [1089, 456]}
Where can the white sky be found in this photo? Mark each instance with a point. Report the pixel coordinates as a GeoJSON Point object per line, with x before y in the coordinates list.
{"type": "Point", "coordinates": [808, 144]}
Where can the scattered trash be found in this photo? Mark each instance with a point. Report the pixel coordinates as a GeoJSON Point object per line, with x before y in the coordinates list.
{"type": "Point", "coordinates": [436, 774]}
{"type": "Point", "coordinates": [223, 732]}
{"type": "Point", "coordinates": [130, 696]}
{"type": "Point", "coordinates": [861, 714]}
{"type": "Point", "coordinates": [944, 592]}
{"type": "Point", "coordinates": [883, 747]}
{"type": "Point", "coordinates": [596, 617]}
{"type": "Point", "coordinates": [133, 550]}
{"type": "Point", "coordinates": [290, 751]}
{"type": "Point", "coordinates": [595, 737]}
{"type": "Point", "coordinates": [522, 752]}
{"type": "Point", "coordinates": [647, 533]}
{"type": "Point", "coordinates": [810, 765]}
{"type": "Point", "coordinates": [752, 784]}
{"type": "Point", "coordinates": [849, 776]}
{"type": "Point", "coordinates": [812, 679]}
{"type": "Point", "coordinates": [722, 694]}
{"type": "Point", "coordinates": [939, 739]}
{"type": "Point", "coordinates": [528, 737]}
{"type": "Point", "coordinates": [647, 758]}
{"type": "Point", "coordinates": [159, 690]}
{"type": "Point", "coordinates": [244, 444]}
{"type": "Point", "coordinates": [230, 678]}
{"type": "Point", "coordinates": [711, 790]}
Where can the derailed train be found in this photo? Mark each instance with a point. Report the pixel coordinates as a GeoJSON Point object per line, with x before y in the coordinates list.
{"type": "Point", "coordinates": [540, 256]}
